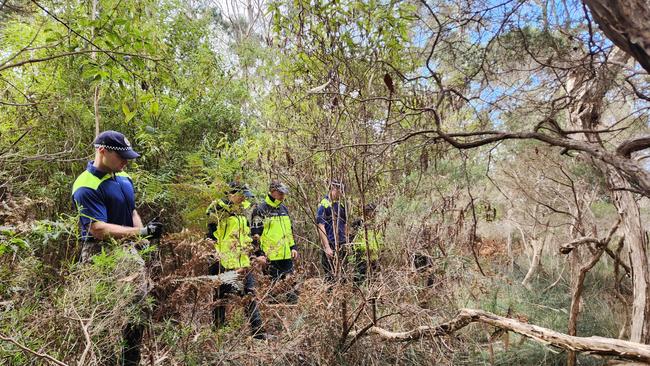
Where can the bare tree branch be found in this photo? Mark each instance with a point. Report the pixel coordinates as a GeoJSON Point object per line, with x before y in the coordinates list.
{"type": "Point", "coordinates": [633, 145]}
{"type": "Point", "coordinates": [568, 247]}
{"type": "Point", "coordinates": [66, 54]}
{"type": "Point", "coordinates": [635, 174]}
{"type": "Point", "coordinates": [44, 356]}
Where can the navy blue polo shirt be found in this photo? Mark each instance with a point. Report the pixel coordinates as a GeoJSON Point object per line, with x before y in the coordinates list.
{"type": "Point", "coordinates": [327, 212]}
{"type": "Point", "coordinates": [105, 197]}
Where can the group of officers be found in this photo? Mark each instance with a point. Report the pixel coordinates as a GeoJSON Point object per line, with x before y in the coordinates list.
{"type": "Point", "coordinates": [245, 233]}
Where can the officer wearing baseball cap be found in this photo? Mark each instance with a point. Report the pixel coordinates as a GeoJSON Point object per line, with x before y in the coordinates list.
{"type": "Point", "coordinates": [331, 219]}
{"type": "Point", "coordinates": [273, 230]}
{"type": "Point", "coordinates": [229, 229]}
{"type": "Point", "coordinates": [104, 197]}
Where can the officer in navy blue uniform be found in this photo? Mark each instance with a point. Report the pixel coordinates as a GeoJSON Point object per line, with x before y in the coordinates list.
{"type": "Point", "coordinates": [331, 219]}
{"type": "Point", "coordinates": [104, 197]}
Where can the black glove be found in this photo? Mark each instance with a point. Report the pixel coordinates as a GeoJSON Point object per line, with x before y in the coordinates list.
{"type": "Point", "coordinates": [153, 230]}
{"type": "Point", "coordinates": [212, 227]}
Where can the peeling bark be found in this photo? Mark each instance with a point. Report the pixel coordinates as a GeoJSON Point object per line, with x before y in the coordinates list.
{"type": "Point", "coordinates": [625, 22]}
{"type": "Point", "coordinates": [628, 210]}
{"type": "Point", "coordinates": [589, 93]}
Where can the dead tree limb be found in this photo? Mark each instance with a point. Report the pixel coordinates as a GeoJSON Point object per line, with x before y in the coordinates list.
{"type": "Point", "coordinates": [578, 283]}
{"type": "Point", "coordinates": [229, 277]}
{"type": "Point", "coordinates": [26, 349]}
{"type": "Point", "coordinates": [568, 247]}
{"type": "Point", "coordinates": [591, 345]}
{"type": "Point", "coordinates": [576, 294]}
{"type": "Point", "coordinates": [84, 329]}
{"type": "Point", "coordinates": [633, 145]}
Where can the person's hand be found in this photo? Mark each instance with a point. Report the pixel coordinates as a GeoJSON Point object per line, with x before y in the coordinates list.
{"type": "Point", "coordinates": [329, 252]}
{"type": "Point", "coordinates": [152, 230]}
{"type": "Point", "coordinates": [294, 254]}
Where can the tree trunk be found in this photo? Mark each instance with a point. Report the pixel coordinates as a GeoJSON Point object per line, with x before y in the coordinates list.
{"type": "Point", "coordinates": [628, 210]}
{"type": "Point", "coordinates": [93, 55]}
{"type": "Point", "coordinates": [511, 257]}
{"type": "Point", "coordinates": [625, 22]}
{"type": "Point", "coordinates": [585, 114]}
{"type": "Point", "coordinates": [576, 259]}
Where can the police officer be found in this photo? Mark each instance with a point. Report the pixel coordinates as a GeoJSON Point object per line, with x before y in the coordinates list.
{"type": "Point", "coordinates": [104, 197]}
{"type": "Point", "coordinates": [331, 219]}
{"type": "Point", "coordinates": [234, 249]}
{"type": "Point", "coordinates": [271, 227]}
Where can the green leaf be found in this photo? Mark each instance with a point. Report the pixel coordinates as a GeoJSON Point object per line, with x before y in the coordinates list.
{"type": "Point", "coordinates": [155, 108]}
{"type": "Point", "coordinates": [114, 38]}
{"type": "Point", "coordinates": [128, 114]}
{"type": "Point", "coordinates": [20, 243]}
{"type": "Point", "coordinates": [91, 72]}
{"type": "Point", "coordinates": [125, 109]}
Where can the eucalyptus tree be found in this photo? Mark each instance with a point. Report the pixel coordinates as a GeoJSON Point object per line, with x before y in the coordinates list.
{"type": "Point", "coordinates": [472, 74]}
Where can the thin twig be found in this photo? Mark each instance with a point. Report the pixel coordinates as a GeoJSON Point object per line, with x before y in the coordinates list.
{"type": "Point", "coordinates": [32, 352]}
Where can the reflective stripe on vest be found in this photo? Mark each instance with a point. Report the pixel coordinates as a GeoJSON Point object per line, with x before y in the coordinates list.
{"type": "Point", "coordinates": [233, 242]}
{"type": "Point", "coordinates": [89, 180]}
{"type": "Point", "coordinates": [325, 203]}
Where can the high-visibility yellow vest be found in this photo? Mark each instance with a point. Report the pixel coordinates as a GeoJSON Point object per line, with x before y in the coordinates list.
{"type": "Point", "coordinates": [233, 241]}
{"type": "Point", "coordinates": [375, 241]}
{"type": "Point", "coordinates": [277, 238]}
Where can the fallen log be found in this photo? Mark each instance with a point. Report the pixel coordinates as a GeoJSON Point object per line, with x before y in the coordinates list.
{"type": "Point", "coordinates": [590, 345]}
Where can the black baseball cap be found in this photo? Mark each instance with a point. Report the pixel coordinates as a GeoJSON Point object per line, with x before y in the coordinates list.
{"type": "Point", "coordinates": [278, 186]}
{"type": "Point", "coordinates": [335, 183]}
{"type": "Point", "coordinates": [113, 140]}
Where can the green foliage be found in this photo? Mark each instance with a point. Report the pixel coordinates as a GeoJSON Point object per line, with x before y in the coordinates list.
{"type": "Point", "coordinates": [603, 209]}
{"type": "Point", "coordinates": [10, 243]}
{"type": "Point", "coordinates": [161, 81]}
{"type": "Point", "coordinates": [548, 307]}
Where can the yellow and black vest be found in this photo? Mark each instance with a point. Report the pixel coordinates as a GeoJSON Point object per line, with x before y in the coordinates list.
{"type": "Point", "coordinates": [271, 219]}
{"type": "Point", "coordinates": [232, 235]}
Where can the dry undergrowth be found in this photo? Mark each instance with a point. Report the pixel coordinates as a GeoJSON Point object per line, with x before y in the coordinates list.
{"type": "Point", "coordinates": [313, 331]}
